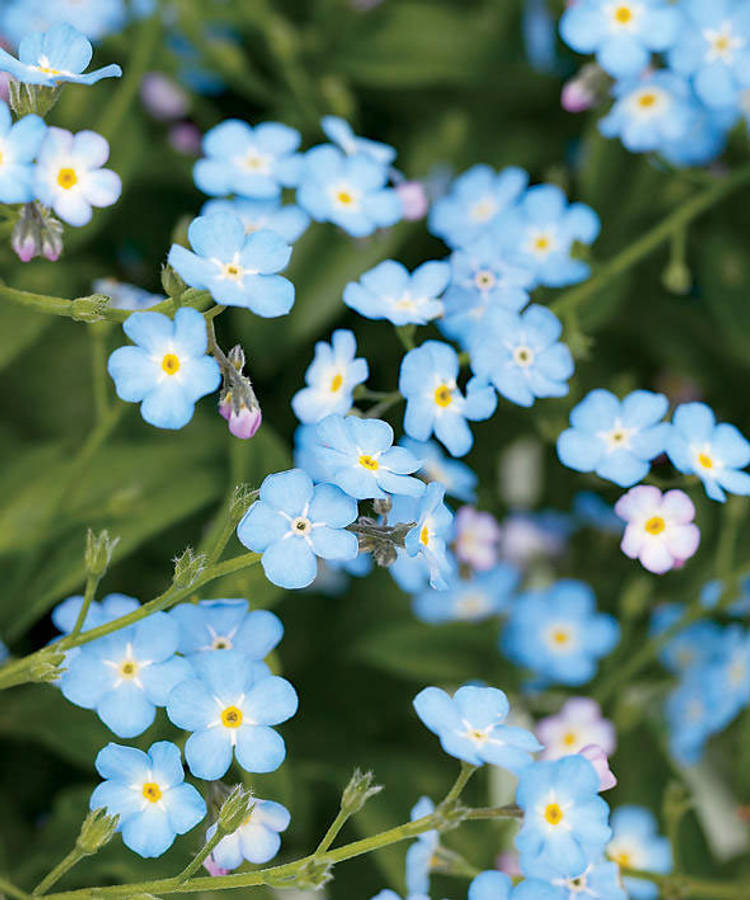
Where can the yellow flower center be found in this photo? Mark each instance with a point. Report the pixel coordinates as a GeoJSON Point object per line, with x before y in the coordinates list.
{"type": "Point", "coordinates": [560, 637]}
{"type": "Point", "coordinates": [67, 178]}
{"type": "Point", "coordinates": [170, 364]}
{"type": "Point", "coordinates": [569, 739]}
{"type": "Point", "coordinates": [128, 669]}
{"type": "Point", "coordinates": [367, 462]}
{"type": "Point", "coordinates": [655, 525]}
{"type": "Point", "coordinates": [231, 717]}
{"type": "Point", "coordinates": [541, 243]}
{"type": "Point", "coordinates": [705, 460]}
{"type": "Point", "coordinates": [553, 814]}
{"type": "Point", "coordinates": [647, 100]}
{"type": "Point", "coordinates": [443, 396]}
{"type": "Point", "coordinates": [221, 643]}
{"type": "Point", "coordinates": [345, 198]}
{"type": "Point", "coordinates": [151, 791]}
{"type": "Point", "coordinates": [48, 71]}
{"type": "Point", "coordinates": [336, 382]}
{"type": "Point", "coordinates": [254, 163]}
{"type": "Point", "coordinates": [624, 859]}
{"type": "Point", "coordinates": [623, 15]}
{"type": "Point", "coordinates": [424, 536]}
{"type": "Point", "coordinates": [233, 271]}
{"type": "Point", "coordinates": [1, 159]}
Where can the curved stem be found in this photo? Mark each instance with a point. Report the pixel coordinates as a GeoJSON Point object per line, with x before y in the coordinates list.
{"type": "Point", "coordinates": [685, 886]}
{"type": "Point", "coordinates": [51, 878]}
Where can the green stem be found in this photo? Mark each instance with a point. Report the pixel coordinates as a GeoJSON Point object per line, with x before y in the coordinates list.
{"type": "Point", "coordinates": [385, 404]}
{"type": "Point", "coordinates": [12, 891]}
{"type": "Point", "coordinates": [685, 886]}
{"type": "Point", "coordinates": [467, 770]}
{"type": "Point", "coordinates": [330, 836]}
{"type": "Point", "coordinates": [92, 582]}
{"type": "Point", "coordinates": [652, 239]}
{"type": "Point", "coordinates": [75, 856]}
{"type": "Point", "coordinates": [197, 861]}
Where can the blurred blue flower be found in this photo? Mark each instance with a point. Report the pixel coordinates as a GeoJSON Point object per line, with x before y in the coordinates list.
{"type": "Point", "coordinates": [256, 840]}
{"type": "Point", "coordinates": [226, 625]}
{"type": "Point", "coordinates": [331, 378]}
{"type": "Point", "coordinates": [473, 599]}
{"type": "Point", "coordinates": [637, 844]}
{"type": "Point", "coordinates": [494, 885]}
{"type": "Point", "coordinates": [287, 220]}
{"type": "Point", "coordinates": [20, 143]}
{"type": "Point", "coordinates": [419, 856]}
{"type": "Point", "coordinates": [389, 292]}
{"type": "Point", "coordinates": [340, 132]}
{"type": "Point", "coordinates": [94, 18]}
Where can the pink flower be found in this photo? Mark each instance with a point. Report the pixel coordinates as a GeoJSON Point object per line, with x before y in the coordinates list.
{"type": "Point", "coordinates": [243, 423]}
{"type": "Point", "coordinates": [660, 531]}
{"type": "Point", "coordinates": [598, 759]}
{"type": "Point", "coordinates": [578, 724]}
{"type": "Point", "coordinates": [214, 868]}
{"type": "Point", "coordinates": [477, 536]}
{"type": "Point", "coordinates": [414, 199]}
{"type": "Point", "coordinates": [163, 98]}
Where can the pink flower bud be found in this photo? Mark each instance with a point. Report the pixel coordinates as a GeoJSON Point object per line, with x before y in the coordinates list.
{"type": "Point", "coordinates": [414, 199]}
{"type": "Point", "coordinates": [24, 247]}
{"type": "Point", "coordinates": [162, 97]}
{"type": "Point", "coordinates": [509, 862]}
{"type": "Point", "coordinates": [576, 96]}
{"type": "Point", "coordinates": [598, 759]}
{"type": "Point", "coordinates": [185, 138]}
{"type": "Point", "coordinates": [213, 868]}
{"type": "Point", "coordinates": [245, 423]}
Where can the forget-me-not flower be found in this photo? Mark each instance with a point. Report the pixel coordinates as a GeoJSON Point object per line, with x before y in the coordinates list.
{"type": "Point", "coordinates": [148, 792]}
{"type": "Point", "coordinates": [358, 455]}
{"type": "Point", "coordinates": [240, 159]}
{"type": "Point", "coordinates": [125, 675]}
{"type": "Point", "coordinates": [622, 33]}
{"type": "Point", "coordinates": [637, 844]}
{"type": "Point", "coordinates": [427, 539]}
{"type": "Point", "coordinates": [478, 199]}
{"type": "Point", "coordinates": [53, 57]}
{"type": "Point", "coordinates": [331, 378]}
{"type": "Point", "coordinates": [340, 132]}
{"type": "Point", "coordinates": [522, 354]}
{"type": "Point", "coordinates": [578, 724]}
{"type": "Point", "coordinates": [293, 523]}
{"type": "Point", "coordinates": [229, 705]}
{"type": "Point", "coordinates": [238, 269]}
{"type": "Point", "coordinates": [226, 625]}
{"type": "Point", "coordinates": [69, 176]}
{"type": "Point", "coordinates": [476, 538]}
{"type": "Point", "coordinates": [471, 726]}
{"type": "Point", "coordinates": [473, 599]}
{"type": "Point", "coordinates": [420, 855]}
{"type": "Point", "coordinates": [696, 445]}
{"type": "Point", "coordinates": [434, 402]}
{"type": "Point", "coordinates": [617, 439]}
{"type": "Point", "coordinates": [287, 220]}
{"type": "Point", "coordinates": [168, 370]}
{"type": "Point", "coordinates": [19, 143]}
{"type": "Point", "coordinates": [257, 839]}
{"type": "Point", "coordinates": [389, 292]}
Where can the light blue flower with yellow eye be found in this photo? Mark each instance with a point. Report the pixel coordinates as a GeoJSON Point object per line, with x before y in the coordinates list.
{"type": "Point", "coordinates": [434, 402]}
{"type": "Point", "coordinates": [598, 881]}
{"type": "Point", "coordinates": [331, 378]}
{"type": "Point", "coordinates": [340, 132]}
{"type": "Point", "coordinates": [269, 214]}
{"type": "Point", "coordinates": [168, 370]}
{"type": "Point", "coordinates": [637, 844]}
{"type": "Point", "coordinates": [478, 199]}
{"type": "Point", "coordinates": [148, 792]}
{"type": "Point", "coordinates": [124, 676]}
{"type": "Point", "coordinates": [476, 599]}
{"type": "Point", "coordinates": [622, 34]}
{"type": "Point", "coordinates": [358, 455]}
{"type": "Point", "coordinates": [19, 144]}
{"type": "Point", "coordinates": [617, 439]}
{"type": "Point", "coordinates": [349, 191]}
{"type": "Point", "coordinates": [521, 354]}
{"type": "Point", "coordinates": [390, 292]}
{"type": "Point", "coordinates": [237, 268]}
{"type": "Point", "coordinates": [245, 160]}
{"type": "Point", "coordinates": [456, 477]}
{"type": "Point", "coordinates": [471, 726]}
{"type": "Point", "coordinates": [717, 454]}
{"type": "Point", "coordinates": [293, 523]}
{"type": "Point", "coordinates": [539, 233]}
{"type": "Point", "coordinates": [226, 625]}
{"type": "Point", "coordinates": [428, 539]}
{"type": "Point", "coordinates": [229, 705]}
{"type": "Point", "coordinates": [257, 839]}
{"type": "Point", "coordinates": [54, 57]}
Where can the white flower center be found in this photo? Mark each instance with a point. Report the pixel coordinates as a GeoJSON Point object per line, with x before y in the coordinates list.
{"type": "Point", "coordinates": [722, 43]}
{"type": "Point", "coordinates": [484, 210]}
{"type": "Point", "coordinates": [648, 102]}
{"type": "Point", "coordinates": [523, 356]}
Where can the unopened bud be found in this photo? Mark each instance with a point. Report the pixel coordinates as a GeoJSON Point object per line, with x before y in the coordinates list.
{"type": "Point", "coordinates": [37, 233]}
{"type": "Point", "coordinates": [235, 809]}
{"type": "Point", "coordinates": [413, 199]}
{"type": "Point", "coordinates": [47, 666]}
{"type": "Point", "coordinates": [213, 868]}
{"type": "Point", "coordinates": [171, 282]}
{"type": "Point", "coordinates": [586, 89]}
{"type": "Point", "coordinates": [97, 831]}
{"type": "Point", "coordinates": [677, 278]}
{"type": "Point", "coordinates": [382, 506]}
{"type": "Point", "coordinates": [236, 357]}
{"type": "Point", "coordinates": [358, 791]}
{"type": "Point", "coordinates": [311, 877]}
{"type": "Point", "coordinates": [99, 550]}
{"type": "Point", "coordinates": [237, 401]}
{"type": "Point", "coordinates": [90, 309]}
{"type": "Point", "coordinates": [187, 567]}
{"type": "Point", "coordinates": [243, 496]}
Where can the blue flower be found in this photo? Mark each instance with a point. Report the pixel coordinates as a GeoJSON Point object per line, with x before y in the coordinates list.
{"type": "Point", "coordinates": [651, 112]}
{"type": "Point", "coordinates": [242, 160]}
{"type": "Point", "coordinates": [411, 573]}
{"type": "Point", "coordinates": [592, 511]}
{"type": "Point", "coordinates": [419, 856]}
{"type": "Point", "coordinates": [427, 539]}
{"type": "Point", "coordinates": [598, 881]}
{"type": "Point", "coordinates": [340, 132]}
{"type": "Point", "coordinates": [288, 221]}
{"type": "Point", "coordinates": [293, 523]}
{"type": "Point", "coordinates": [694, 645]}
{"type": "Point", "coordinates": [148, 792]}
{"type": "Point", "coordinates": [256, 840]}
{"type": "Point", "coordinates": [59, 55]}
{"type": "Point", "coordinates": [521, 354]}
{"type": "Point", "coordinates": [565, 820]}
{"type": "Point", "coordinates": [456, 477]}
{"type": "Point", "coordinates": [434, 403]}
{"type": "Point", "coordinates": [19, 144]}
{"type": "Point", "coordinates": [331, 378]}
{"type": "Point", "coordinates": [715, 453]}
{"type": "Point", "coordinates": [69, 176]}
{"type": "Point", "coordinates": [124, 676]}
{"type": "Point", "coordinates": [539, 233]}
{"type": "Point", "coordinates": [558, 634]}
{"type": "Point", "coordinates": [94, 18]}
{"type": "Point", "coordinates": [617, 439]}
{"type": "Point", "coordinates": [237, 268]}
{"type": "Point", "coordinates": [492, 885]}
{"type": "Point", "coordinates": [358, 455]}
{"type": "Point", "coordinates": [474, 599]}
{"type": "Point", "coordinates": [694, 711]}
{"type": "Point", "coordinates": [637, 844]}
{"type": "Point", "coordinates": [623, 34]}
{"type": "Point", "coordinates": [389, 292]}
{"type": "Point", "coordinates": [704, 139]}
{"type": "Point", "coordinates": [479, 198]}
{"type": "Point", "coordinates": [729, 673]}
{"type": "Point", "coordinates": [229, 705]}
{"type": "Point", "coordinates": [481, 277]}
{"type": "Point", "coordinates": [470, 727]}
{"type": "Point", "coordinates": [712, 49]}
{"type": "Point", "coordinates": [349, 191]}
{"type": "Point", "coordinates": [168, 370]}
{"type": "Point", "coordinates": [226, 625]}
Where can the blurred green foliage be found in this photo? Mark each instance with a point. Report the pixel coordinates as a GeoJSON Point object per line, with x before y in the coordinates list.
{"type": "Point", "coordinates": [447, 83]}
